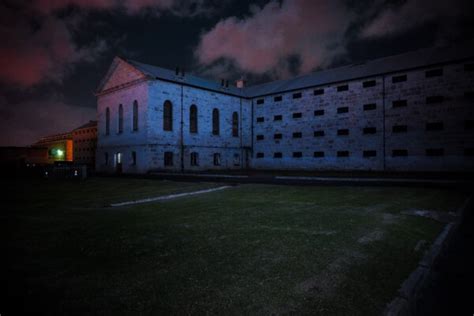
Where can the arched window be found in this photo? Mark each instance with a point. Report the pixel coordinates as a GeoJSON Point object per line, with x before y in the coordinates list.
{"type": "Point", "coordinates": [135, 116]}
{"type": "Point", "coordinates": [107, 121]}
{"type": "Point", "coordinates": [235, 124]}
{"type": "Point", "coordinates": [215, 122]}
{"type": "Point", "coordinates": [167, 116]}
{"type": "Point", "coordinates": [193, 119]}
{"type": "Point", "coordinates": [120, 119]}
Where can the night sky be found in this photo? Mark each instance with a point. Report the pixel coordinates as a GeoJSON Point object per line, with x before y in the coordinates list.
{"type": "Point", "coordinates": [55, 52]}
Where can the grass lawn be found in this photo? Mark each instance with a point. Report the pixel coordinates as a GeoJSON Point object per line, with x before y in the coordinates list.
{"type": "Point", "coordinates": [249, 249]}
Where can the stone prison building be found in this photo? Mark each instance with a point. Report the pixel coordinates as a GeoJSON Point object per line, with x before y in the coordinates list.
{"type": "Point", "coordinates": [409, 112]}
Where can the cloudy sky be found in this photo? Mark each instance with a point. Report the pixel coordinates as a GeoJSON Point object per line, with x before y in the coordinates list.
{"type": "Point", "coordinates": [54, 52]}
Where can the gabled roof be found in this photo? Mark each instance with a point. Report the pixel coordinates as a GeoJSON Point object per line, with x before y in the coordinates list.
{"type": "Point", "coordinates": [387, 65]}
{"type": "Point", "coordinates": [188, 79]}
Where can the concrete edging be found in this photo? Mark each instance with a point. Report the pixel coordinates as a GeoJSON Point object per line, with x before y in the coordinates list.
{"type": "Point", "coordinates": [168, 197]}
{"type": "Point", "coordinates": [412, 289]}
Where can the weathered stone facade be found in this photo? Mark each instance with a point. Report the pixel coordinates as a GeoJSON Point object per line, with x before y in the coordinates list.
{"type": "Point", "coordinates": [417, 118]}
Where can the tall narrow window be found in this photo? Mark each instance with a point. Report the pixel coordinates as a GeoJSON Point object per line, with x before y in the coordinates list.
{"type": "Point", "coordinates": [107, 121]}
{"type": "Point", "coordinates": [167, 116]}
{"type": "Point", "coordinates": [235, 124]}
{"type": "Point", "coordinates": [120, 119]}
{"type": "Point", "coordinates": [193, 122]}
{"type": "Point", "coordinates": [135, 115]}
{"type": "Point", "coordinates": [215, 122]}
{"type": "Point", "coordinates": [106, 158]}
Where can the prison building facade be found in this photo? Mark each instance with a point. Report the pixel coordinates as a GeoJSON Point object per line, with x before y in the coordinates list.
{"type": "Point", "coordinates": [410, 112]}
{"type": "Point", "coordinates": [85, 143]}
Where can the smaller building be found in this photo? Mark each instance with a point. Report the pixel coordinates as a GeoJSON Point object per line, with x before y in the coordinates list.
{"type": "Point", "coordinates": [19, 157]}
{"type": "Point", "coordinates": [85, 143]}
{"type": "Point", "coordinates": [59, 146]}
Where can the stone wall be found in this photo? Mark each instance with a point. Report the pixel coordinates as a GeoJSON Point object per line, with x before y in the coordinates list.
{"type": "Point", "coordinates": [438, 136]}
{"type": "Point", "coordinates": [417, 123]}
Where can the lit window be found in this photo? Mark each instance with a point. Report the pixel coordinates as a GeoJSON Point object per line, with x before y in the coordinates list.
{"type": "Point", "coordinates": [134, 158]}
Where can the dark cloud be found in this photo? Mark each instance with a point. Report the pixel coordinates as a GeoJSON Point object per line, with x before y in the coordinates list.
{"type": "Point", "coordinates": [22, 124]}
{"type": "Point", "coordinates": [317, 33]}
{"type": "Point", "coordinates": [393, 19]}
{"type": "Point", "coordinates": [263, 42]}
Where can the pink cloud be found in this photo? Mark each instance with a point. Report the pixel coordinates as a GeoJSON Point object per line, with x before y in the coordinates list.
{"type": "Point", "coordinates": [29, 57]}
{"type": "Point", "coordinates": [256, 44]}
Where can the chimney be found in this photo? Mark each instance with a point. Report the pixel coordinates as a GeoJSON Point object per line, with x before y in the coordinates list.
{"type": "Point", "coordinates": [240, 83]}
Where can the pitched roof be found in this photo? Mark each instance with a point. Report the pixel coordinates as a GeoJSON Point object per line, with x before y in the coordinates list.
{"type": "Point", "coordinates": [191, 80]}
{"type": "Point", "coordinates": [397, 63]}
{"type": "Point", "coordinates": [87, 125]}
